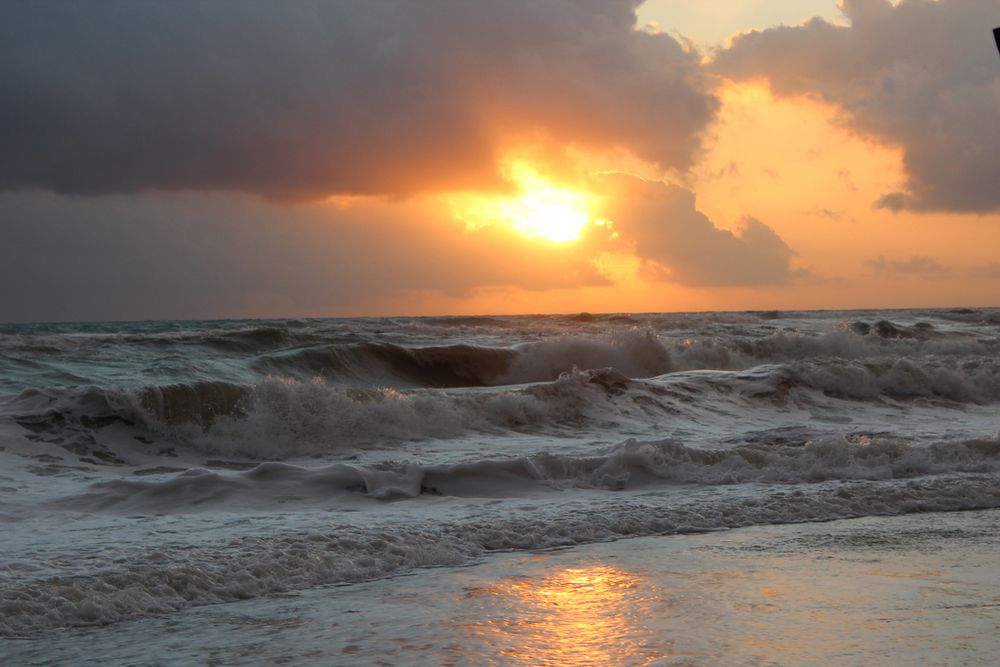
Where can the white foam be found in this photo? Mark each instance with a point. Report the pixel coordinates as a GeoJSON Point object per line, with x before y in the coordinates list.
{"type": "Point", "coordinates": [630, 465]}
{"type": "Point", "coordinates": [257, 566]}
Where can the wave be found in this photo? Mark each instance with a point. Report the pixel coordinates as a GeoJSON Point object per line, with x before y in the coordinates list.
{"type": "Point", "coordinates": [946, 381]}
{"type": "Point", "coordinates": [859, 456]}
{"type": "Point", "coordinates": [370, 363]}
{"type": "Point", "coordinates": [590, 318]}
{"type": "Point", "coordinates": [278, 418]}
{"type": "Point", "coordinates": [976, 316]}
{"type": "Point", "coordinates": [464, 321]}
{"type": "Point", "coordinates": [198, 403]}
{"type": "Point", "coordinates": [347, 355]}
{"type": "Point", "coordinates": [847, 344]}
{"type": "Point", "coordinates": [635, 352]}
{"type": "Point", "coordinates": [630, 465]}
{"type": "Point", "coordinates": [638, 352]}
{"type": "Point", "coordinates": [285, 418]}
{"type": "Point", "coordinates": [166, 580]}
{"type": "Point", "coordinates": [241, 339]}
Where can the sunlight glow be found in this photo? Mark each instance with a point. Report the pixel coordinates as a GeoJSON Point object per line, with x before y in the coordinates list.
{"type": "Point", "coordinates": [542, 210]}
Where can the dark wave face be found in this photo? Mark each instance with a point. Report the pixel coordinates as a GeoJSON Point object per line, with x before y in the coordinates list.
{"type": "Point", "coordinates": [362, 363]}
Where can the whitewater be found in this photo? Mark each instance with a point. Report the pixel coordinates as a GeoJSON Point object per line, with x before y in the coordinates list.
{"type": "Point", "coordinates": [150, 469]}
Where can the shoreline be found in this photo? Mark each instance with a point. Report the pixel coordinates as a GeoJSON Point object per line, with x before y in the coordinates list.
{"type": "Point", "coordinates": [912, 589]}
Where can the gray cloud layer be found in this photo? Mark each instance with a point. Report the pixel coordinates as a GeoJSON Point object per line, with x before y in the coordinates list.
{"type": "Point", "coordinates": [305, 98]}
{"type": "Point", "coordinates": [923, 75]}
{"type": "Point", "coordinates": [213, 255]}
{"type": "Point", "coordinates": [684, 246]}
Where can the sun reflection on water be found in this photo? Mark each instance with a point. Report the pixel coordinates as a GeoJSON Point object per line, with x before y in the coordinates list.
{"type": "Point", "coordinates": [576, 616]}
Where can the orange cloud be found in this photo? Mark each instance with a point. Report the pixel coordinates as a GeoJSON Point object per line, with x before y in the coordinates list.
{"type": "Point", "coordinates": [921, 75]}
{"type": "Point", "coordinates": [661, 225]}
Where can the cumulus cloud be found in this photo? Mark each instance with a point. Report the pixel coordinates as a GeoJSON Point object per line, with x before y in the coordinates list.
{"type": "Point", "coordinates": [664, 227]}
{"type": "Point", "coordinates": [307, 98]}
{"type": "Point", "coordinates": [921, 74]}
{"type": "Point", "coordinates": [916, 265]}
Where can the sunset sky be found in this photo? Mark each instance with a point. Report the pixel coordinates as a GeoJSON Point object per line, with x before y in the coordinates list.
{"type": "Point", "coordinates": [272, 159]}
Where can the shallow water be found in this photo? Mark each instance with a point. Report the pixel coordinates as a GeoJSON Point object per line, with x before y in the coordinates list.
{"type": "Point", "coordinates": [910, 590]}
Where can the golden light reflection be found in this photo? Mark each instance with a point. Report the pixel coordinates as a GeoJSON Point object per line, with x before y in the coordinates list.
{"type": "Point", "coordinates": [576, 616]}
{"type": "Point", "coordinates": [540, 209]}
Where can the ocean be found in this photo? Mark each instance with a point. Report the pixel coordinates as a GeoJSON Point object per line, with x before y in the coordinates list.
{"type": "Point", "coordinates": [155, 473]}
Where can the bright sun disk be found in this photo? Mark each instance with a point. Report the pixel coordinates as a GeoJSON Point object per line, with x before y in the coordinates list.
{"type": "Point", "coordinates": [542, 210]}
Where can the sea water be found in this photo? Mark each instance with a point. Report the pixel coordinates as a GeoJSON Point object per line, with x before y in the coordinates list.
{"type": "Point", "coordinates": [150, 469]}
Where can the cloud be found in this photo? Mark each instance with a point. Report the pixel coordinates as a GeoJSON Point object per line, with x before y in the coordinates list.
{"type": "Point", "coordinates": [307, 98]}
{"type": "Point", "coordinates": [989, 271]}
{"type": "Point", "coordinates": [662, 225]}
{"type": "Point", "coordinates": [916, 264]}
{"type": "Point", "coordinates": [211, 255]}
{"type": "Point", "coordinates": [198, 255]}
{"type": "Point", "coordinates": [921, 74]}
{"type": "Point", "coordinates": [827, 212]}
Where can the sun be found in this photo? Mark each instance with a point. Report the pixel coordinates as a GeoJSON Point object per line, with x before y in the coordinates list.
{"type": "Point", "coordinates": [540, 210]}
{"type": "Point", "coordinates": [551, 213]}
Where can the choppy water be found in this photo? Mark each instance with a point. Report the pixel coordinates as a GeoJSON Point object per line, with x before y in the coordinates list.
{"type": "Point", "coordinates": [152, 467]}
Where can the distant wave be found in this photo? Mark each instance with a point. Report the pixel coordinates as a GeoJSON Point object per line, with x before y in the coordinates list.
{"type": "Point", "coordinates": [465, 321]}
{"type": "Point", "coordinates": [248, 339]}
{"type": "Point", "coordinates": [636, 352]}
{"type": "Point", "coordinates": [969, 380]}
{"type": "Point", "coordinates": [349, 357]}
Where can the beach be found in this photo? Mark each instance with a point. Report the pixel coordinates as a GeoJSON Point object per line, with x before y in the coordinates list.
{"type": "Point", "coordinates": [907, 590]}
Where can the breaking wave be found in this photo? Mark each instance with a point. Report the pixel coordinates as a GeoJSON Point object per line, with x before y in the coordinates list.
{"type": "Point", "coordinates": [630, 465]}
{"type": "Point", "coordinates": [638, 352]}
{"type": "Point", "coordinates": [279, 418]}
{"type": "Point", "coordinates": [355, 357]}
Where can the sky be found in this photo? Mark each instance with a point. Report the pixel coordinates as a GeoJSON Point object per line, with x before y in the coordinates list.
{"type": "Point", "coordinates": [337, 158]}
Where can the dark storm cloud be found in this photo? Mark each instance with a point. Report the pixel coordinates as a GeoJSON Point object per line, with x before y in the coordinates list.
{"type": "Point", "coordinates": [666, 229]}
{"type": "Point", "coordinates": [298, 99]}
{"type": "Point", "coordinates": [923, 75]}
